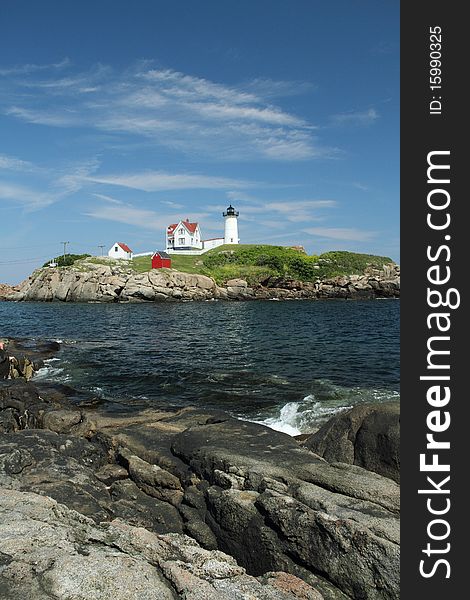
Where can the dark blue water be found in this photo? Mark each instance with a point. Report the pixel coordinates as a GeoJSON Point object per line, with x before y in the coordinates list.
{"type": "Point", "coordinates": [288, 364]}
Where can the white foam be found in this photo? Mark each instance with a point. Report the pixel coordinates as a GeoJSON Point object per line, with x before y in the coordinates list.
{"type": "Point", "coordinates": [48, 372]}
{"type": "Point", "coordinates": [286, 421]}
{"type": "Point", "coordinates": [295, 418]}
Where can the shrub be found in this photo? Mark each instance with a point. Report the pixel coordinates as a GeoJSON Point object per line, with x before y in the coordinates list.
{"type": "Point", "coordinates": [67, 260]}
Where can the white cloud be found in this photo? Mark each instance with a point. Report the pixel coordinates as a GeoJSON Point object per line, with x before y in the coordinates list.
{"type": "Point", "coordinates": [299, 205]}
{"type": "Point", "coordinates": [39, 186]}
{"type": "Point", "coordinates": [33, 68]}
{"type": "Point", "coordinates": [246, 113]}
{"type": "Point", "coordinates": [146, 219]}
{"type": "Point", "coordinates": [44, 117]}
{"type": "Point", "coordinates": [107, 199]}
{"type": "Point", "coordinates": [291, 210]}
{"type": "Point", "coordinates": [360, 186]}
{"type": "Point", "coordinates": [153, 181]}
{"type": "Point", "coordinates": [341, 233]}
{"type": "Point", "coordinates": [11, 163]}
{"type": "Point", "coordinates": [142, 218]}
{"type": "Point", "coordinates": [27, 197]}
{"type": "Point", "coordinates": [366, 117]}
{"type": "Point", "coordinates": [168, 108]}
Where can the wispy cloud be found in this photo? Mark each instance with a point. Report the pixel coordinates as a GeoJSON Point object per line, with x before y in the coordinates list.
{"type": "Point", "coordinates": [141, 218]}
{"type": "Point", "coordinates": [26, 197]}
{"type": "Point", "coordinates": [360, 186]}
{"type": "Point", "coordinates": [366, 117]}
{"type": "Point", "coordinates": [147, 219]}
{"type": "Point", "coordinates": [108, 198]}
{"type": "Point", "coordinates": [33, 68]}
{"type": "Point", "coordinates": [40, 186]}
{"type": "Point", "coordinates": [289, 209]}
{"type": "Point", "coordinates": [53, 118]}
{"type": "Point", "coordinates": [341, 233]}
{"type": "Point", "coordinates": [272, 89]}
{"type": "Point", "coordinates": [166, 108]}
{"type": "Point", "coordinates": [11, 163]}
{"type": "Point", "coordinates": [153, 181]}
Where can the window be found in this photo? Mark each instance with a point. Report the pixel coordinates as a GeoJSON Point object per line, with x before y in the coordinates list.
{"type": "Point", "coordinates": [181, 230]}
{"type": "Point", "coordinates": [116, 248]}
{"type": "Point", "coordinates": [231, 240]}
{"type": "Point", "coordinates": [181, 241]}
{"type": "Point", "coordinates": [192, 241]}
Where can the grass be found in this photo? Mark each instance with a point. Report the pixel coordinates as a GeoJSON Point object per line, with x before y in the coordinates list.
{"type": "Point", "coordinates": [187, 264]}
{"type": "Point", "coordinates": [254, 263]}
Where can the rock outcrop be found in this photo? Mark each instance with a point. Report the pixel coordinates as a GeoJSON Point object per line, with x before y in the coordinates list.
{"type": "Point", "coordinates": [110, 283]}
{"type": "Point", "coordinates": [6, 290]}
{"type": "Point", "coordinates": [50, 552]}
{"type": "Point", "coordinates": [367, 435]}
{"type": "Point", "coordinates": [294, 525]}
{"type": "Point", "coordinates": [91, 282]}
{"type": "Point", "coordinates": [20, 359]}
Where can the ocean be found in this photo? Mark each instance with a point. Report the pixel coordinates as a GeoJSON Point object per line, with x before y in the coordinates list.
{"type": "Point", "coordinates": [290, 365]}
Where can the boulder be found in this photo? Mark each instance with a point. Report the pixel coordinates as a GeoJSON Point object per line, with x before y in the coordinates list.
{"type": "Point", "coordinates": [367, 435]}
{"type": "Point", "coordinates": [277, 506]}
{"type": "Point", "coordinates": [237, 283]}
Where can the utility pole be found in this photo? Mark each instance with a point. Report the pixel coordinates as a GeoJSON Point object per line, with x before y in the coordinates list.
{"type": "Point", "coordinates": [65, 244]}
{"type": "Point", "coordinates": [102, 246]}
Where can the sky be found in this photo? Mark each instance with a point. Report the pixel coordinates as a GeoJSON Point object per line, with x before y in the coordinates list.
{"type": "Point", "coordinates": [118, 118]}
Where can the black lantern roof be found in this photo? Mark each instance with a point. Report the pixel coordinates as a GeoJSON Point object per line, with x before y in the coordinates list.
{"type": "Point", "coordinates": [231, 212]}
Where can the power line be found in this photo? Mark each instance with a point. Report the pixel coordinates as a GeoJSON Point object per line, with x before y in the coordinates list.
{"type": "Point", "coordinates": [27, 247]}
{"type": "Point", "coordinates": [23, 260]}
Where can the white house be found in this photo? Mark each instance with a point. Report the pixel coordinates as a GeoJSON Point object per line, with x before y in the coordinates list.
{"type": "Point", "coordinates": [120, 250]}
{"type": "Point", "coordinates": [183, 236]}
{"type": "Point", "coordinates": [186, 237]}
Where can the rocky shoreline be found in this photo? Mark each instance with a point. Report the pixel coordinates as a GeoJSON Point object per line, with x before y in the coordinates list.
{"type": "Point", "coordinates": [189, 503]}
{"type": "Point", "coordinates": [114, 283]}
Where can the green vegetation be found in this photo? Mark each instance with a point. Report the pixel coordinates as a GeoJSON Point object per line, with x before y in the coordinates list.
{"type": "Point", "coordinates": [67, 260]}
{"type": "Point", "coordinates": [187, 264]}
{"type": "Point", "coordinates": [254, 263]}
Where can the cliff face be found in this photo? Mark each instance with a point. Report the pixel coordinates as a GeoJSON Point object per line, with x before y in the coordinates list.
{"type": "Point", "coordinates": [112, 283]}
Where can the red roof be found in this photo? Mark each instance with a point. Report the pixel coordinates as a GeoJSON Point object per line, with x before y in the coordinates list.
{"type": "Point", "coordinates": [125, 247]}
{"type": "Point", "coordinates": [191, 227]}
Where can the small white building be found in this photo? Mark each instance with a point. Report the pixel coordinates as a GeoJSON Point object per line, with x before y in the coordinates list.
{"type": "Point", "coordinates": [183, 236]}
{"type": "Point", "coordinates": [120, 250]}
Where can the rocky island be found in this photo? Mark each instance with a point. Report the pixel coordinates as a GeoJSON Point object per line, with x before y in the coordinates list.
{"type": "Point", "coordinates": [260, 274]}
{"type": "Point", "coordinates": [100, 503]}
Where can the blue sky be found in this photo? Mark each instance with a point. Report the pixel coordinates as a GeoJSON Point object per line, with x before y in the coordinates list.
{"type": "Point", "coordinates": [118, 118]}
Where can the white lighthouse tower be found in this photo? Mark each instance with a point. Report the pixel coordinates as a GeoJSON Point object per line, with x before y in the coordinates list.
{"type": "Point", "coordinates": [231, 226]}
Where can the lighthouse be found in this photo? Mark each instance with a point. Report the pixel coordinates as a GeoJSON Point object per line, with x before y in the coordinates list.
{"type": "Point", "coordinates": [231, 226]}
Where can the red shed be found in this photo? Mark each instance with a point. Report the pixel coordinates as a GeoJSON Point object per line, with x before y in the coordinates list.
{"type": "Point", "coordinates": [161, 260]}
